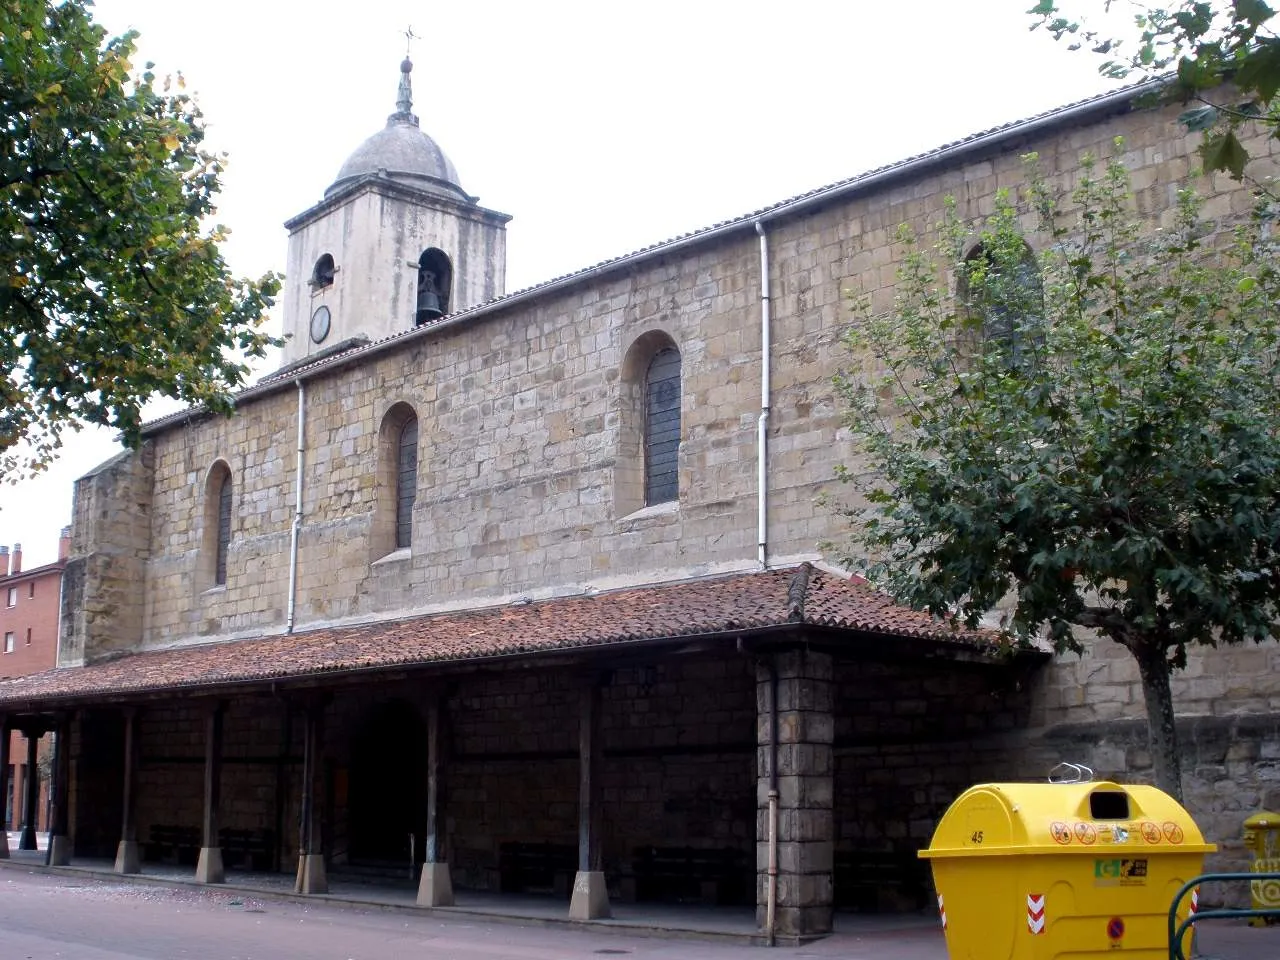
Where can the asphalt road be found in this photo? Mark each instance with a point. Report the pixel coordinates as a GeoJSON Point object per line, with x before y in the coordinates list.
{"type": "Point", "coordinates": [46, 917]}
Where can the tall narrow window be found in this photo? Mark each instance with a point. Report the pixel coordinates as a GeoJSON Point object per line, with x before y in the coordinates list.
{"type": "Point", "coordinates": [662, 427]}
{"type": "Point", "coordinates": [224, 531]}
{"type": "Point", "coordinates": [406, 481]}
{"type": "Point", "coordinates": [1004, 297]}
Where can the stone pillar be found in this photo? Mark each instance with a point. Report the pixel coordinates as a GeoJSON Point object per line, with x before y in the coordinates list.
{"type": "Point", "coordinates": [435, 887]}
{"type": "Point", "coordinates": [804, 800]}
{"type": "Point", "coordinates": [5, 786]}
{"type": "Point", "coordinates": [31, 802]}
{"type": "Point", "coordinates": [590, 896]}
{"type": "Point", "coordinates": [128, 859]}
{"type": "Point", "coordinates": [59, 851]}
{"type": "Point", "coordinates": [209, 867]}
{"type": "Point", "coordinates": [311, 871]}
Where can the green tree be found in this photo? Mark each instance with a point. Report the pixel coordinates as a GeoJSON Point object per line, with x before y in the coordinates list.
{"type": "Point", "coordinates": [1202, 45]}
{"type": "Point", "coordinates": [1096, 447]}
{"type": "Point", "coordinates": [114, 288]}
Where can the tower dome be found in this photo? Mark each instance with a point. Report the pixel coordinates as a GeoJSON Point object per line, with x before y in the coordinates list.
{"type": "Point", "coordinates": [400, 151]}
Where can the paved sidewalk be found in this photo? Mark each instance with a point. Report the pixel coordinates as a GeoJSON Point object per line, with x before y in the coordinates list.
{"type": "Point", "coordinates": [856, 937]}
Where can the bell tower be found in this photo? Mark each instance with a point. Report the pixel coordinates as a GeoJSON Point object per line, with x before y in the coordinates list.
{"type": "Point", "coordinates": [395, 243]}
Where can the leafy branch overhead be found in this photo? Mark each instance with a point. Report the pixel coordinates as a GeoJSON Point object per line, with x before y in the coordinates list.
{"type": "Point", "coordinates": [1222, 58]}
{"type": "Point", "coordinates": [1087, 438]}
{"type": "Point", "coordinates": [114, 287]}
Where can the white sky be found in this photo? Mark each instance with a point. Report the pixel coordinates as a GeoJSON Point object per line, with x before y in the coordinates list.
{"type": "Point", "coordinates": [600, 126]}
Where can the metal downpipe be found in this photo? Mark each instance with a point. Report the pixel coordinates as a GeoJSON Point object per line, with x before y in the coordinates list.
{"type": "Point", "coordinates": [762, 429]}
{"type": "Point", "coordinates": [297, 508]}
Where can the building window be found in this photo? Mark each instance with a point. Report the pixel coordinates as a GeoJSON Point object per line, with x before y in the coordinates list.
{"type": "Point", "coordinates": [31, 590]}
{"type": "Point", "coordinates": [1003, 298]}
{"type": "Point", "coordinates": [397, 486]}
{"type": "Point", "coordinates": [215, 545]}
{"type": "Point", "coordinates": [8, 641]}
{"type": "Point", "coordinates": [28, 636]}
{"type": "Point", "coordinates": [406, 482]}
{"type": "Point", "coordinates": [13, 597]}
{"type": "Point", "coordinates": [322, 273]}
{"type": "Point", "coordinates": [662, 427]}
{"type": "Point", "coordinates": [224, 530]}
{"type": "Point", "coordinates": [435, 280]}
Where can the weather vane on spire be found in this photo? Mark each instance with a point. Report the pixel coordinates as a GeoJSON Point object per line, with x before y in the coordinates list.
{"type": "Point", "coordinates": [404, 98]}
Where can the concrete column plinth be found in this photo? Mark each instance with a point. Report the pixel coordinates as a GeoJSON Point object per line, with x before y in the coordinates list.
{"type": "Point", "coordinates": [128, 859]}
{"type": "Point", "coordinates": [311, 874]}
{"type": "Point", "coordinates": [59, 851]}
{"type": "Point", "coordinates": [590, 897]}
{"type": "Point", "coordinates": [435, 888]}
{"type": "Point", "coordinates": [209, 867]}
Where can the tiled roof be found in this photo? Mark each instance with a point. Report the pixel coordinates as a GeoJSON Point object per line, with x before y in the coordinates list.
{"type": "Point", "coordinates": [1115, 100]}
{"type": "Point", "coordinates": [731, 605]}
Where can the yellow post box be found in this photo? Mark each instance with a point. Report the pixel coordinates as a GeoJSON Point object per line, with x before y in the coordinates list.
{"type": "Point", "coordinates": [1037, 871]}
{"type": "Point", "coordinates": [1262, 839]}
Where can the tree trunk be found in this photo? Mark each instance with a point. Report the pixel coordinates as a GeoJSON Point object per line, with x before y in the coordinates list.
{"type": "Point", "coordinates": [1162, 731]}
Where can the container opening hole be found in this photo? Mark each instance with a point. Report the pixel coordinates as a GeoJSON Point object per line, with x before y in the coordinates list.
{"type": "Point", "coordinates": [1108, 805]}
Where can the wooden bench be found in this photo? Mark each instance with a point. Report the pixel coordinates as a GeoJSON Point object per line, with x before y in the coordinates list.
{"type": "Point", "coordinates": [248, 849]}
{"type": "Point", "coordinates": [715, 875]}
{"type": "Point", "coordinates": [879, 881]}
{"type": "Point", "coordinates": [173, 844]}
{"type": "Point", "coordinates": [536, 867]}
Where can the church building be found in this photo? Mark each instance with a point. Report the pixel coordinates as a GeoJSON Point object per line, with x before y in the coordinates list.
{"type": "Point", "coordinates": [523, 592]}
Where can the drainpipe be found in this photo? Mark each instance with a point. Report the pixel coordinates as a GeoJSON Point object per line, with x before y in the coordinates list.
{"type": "Point", "coordinates": [762, 437]}
{"type": "Point", "coordinates": [297, 508]}
{"type": "Point", "coordinates": [771, 894]}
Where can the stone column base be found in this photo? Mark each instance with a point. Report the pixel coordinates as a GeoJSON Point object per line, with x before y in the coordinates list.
{"type": "Point", "coordinates": [59, 851]}
{"type": "Point", "coordinates": [590, 897]}
{"type": "Point", "coordinates": [435, 888]}
{"type": "Point", "coordinates": [311, 874]}
{"type": "Point", "coordinates": [128, 859]}
{"type": "Point", "coordinates": [28, 839]}
{"type": "Point", "coordinates": [209, 867]}
{"type": "Point", "coordinates": [4, 844]}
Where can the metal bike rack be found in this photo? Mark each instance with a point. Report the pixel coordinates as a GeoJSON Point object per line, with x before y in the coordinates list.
{"type": "Point", "coordinates": [1177, 930]}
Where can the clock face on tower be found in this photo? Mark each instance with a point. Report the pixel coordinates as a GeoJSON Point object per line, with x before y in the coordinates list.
{"type": "Point", "coordinates": [320, 324]}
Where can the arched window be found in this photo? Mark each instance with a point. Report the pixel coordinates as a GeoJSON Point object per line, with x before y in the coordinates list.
{"type": "Point", "coordinates": [435, 283]}
{"type": "Point", "coordinates": [224, 530]}
{"type": "Point", "coordinates": [662, 427]}
{"type": "Point", "coordinates": [215, 541]}
{"type": "Point", "coordinates": [1003, 295]}
{"type": "Point", "coordinates": [397, 483]}
{"type": "Point", "coordinates": [406, 481]}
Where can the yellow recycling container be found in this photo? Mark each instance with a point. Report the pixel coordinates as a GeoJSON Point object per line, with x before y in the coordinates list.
{"type": "Point", "coordinates": [1262, 839]}
{"type": "Point", "coordinates": [1036, 871]}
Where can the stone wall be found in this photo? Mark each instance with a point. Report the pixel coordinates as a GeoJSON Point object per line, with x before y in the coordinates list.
{"type": "Point", "coordinates": [104, 588]}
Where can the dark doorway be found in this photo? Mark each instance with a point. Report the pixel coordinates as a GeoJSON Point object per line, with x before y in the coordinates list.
{"type": "Point", "coordinates": [388, 785]}
{"type": "Point", "coordinates": [99, 784]}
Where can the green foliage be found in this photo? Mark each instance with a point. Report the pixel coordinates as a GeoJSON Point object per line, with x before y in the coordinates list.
{"type": "Point", "coordinates": [1203, 45]}
{"type": "Point", "coordinates": [1112, 462]}
{"type": "Point", "coordinates": [114, 290]}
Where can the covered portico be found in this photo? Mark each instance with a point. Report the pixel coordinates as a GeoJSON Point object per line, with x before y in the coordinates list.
{"type": "Point", "coordinates": [705, 742]}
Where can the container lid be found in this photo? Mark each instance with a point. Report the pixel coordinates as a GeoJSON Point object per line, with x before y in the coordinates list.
{"type": "Point", "coordinates": [1003, 819]}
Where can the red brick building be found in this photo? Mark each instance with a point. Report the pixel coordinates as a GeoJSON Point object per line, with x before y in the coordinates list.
{"type": "Point", "coordinates": [29, 604]}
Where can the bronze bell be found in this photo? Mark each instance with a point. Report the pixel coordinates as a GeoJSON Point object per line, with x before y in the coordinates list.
{"type": "Point", "coordinates": [429, 307]}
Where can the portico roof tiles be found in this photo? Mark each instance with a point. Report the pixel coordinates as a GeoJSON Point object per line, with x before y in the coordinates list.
{"type": "Point", "coordinates": [724, 606]}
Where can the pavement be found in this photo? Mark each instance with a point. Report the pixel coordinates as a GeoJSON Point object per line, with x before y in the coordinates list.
{"type": "Point", "coordinates": [702, 932]}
